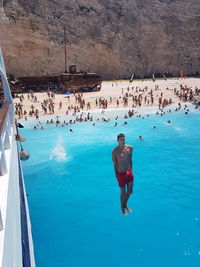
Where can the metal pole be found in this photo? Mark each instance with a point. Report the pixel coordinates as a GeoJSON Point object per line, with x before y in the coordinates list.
{"type": "Point", "coordinates": [65, 38]}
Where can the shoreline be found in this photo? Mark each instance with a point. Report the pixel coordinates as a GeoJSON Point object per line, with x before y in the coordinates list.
{"type": "Point", "coordinates": [107, 114]}
{"type": "Point", "coordinates": [111, 92]}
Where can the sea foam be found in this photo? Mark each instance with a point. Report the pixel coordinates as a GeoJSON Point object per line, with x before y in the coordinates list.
{"type": "Point", "coordinates": [58, 153]}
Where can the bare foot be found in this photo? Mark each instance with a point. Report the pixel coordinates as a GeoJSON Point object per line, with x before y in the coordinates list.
{"type": "Point", "coordinates": [123, 211]}
{"type": "Point", "coordinates": [20, 139]}
{"type": "Point", "coordinates": [129, 210]}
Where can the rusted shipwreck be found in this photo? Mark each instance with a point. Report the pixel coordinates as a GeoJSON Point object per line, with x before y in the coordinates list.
{"type": "Point", "coordinates": [71, 81]}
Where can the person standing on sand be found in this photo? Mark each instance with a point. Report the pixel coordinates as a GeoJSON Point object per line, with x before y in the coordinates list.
{"type": "Point", "coordinates": [122, 160]}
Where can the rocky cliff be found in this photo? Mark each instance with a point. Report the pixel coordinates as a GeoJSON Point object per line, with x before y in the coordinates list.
{"type": "Point", "coordinates": [115, 38]}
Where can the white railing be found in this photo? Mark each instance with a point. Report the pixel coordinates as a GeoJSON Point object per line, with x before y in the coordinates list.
{"type": "Point", "coordinates": [6, 121]}
{"type": "Point", "coordinates": [5, 133]}
{"type": "Point", "coordinates": [12, 218]}
{"type": "Point", "coordinates": [5, 144]}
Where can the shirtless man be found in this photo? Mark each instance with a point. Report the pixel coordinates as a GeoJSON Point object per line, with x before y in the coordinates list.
{"type": "Point", "coordinates": [122, 159]}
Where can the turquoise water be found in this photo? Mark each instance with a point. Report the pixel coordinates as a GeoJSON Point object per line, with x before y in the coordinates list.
{"type": "Point", "coordinates": [74, 197]}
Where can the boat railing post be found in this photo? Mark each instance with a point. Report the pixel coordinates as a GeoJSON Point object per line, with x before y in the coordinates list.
{"type": "Point", "coordinates": [1, 221]}
{"type": "Point", "coordinates": [3, 164]}
{"type": "Point", "coordinates": [6, 141]}
{"type": "Point", "coordinates": [7, 131]}
{"type": "Point", "coordinates": [8, 124]}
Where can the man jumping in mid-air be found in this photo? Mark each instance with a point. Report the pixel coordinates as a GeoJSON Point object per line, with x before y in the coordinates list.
{"type": "Point", "coordinates": [122, 159]}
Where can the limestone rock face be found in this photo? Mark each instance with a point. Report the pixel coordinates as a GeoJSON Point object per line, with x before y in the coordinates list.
{"type": "Point", "coordinates": [115, 38]}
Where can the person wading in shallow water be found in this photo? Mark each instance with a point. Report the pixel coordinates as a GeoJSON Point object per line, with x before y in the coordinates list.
{"type": "Point", "coordinates": [122, 159]}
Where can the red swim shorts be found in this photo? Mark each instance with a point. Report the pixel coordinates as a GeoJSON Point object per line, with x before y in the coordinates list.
{"type": "Point", "coordinates": [125, 177]}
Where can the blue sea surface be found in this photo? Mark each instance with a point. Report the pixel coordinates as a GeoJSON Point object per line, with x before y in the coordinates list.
{"type": "Point", "coordinates": [74, 202]}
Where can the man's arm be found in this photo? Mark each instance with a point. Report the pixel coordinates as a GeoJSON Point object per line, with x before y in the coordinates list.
{"type": "Point", "coordinates": [114, 158]}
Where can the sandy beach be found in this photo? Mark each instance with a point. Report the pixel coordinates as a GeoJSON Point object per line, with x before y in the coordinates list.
{"type": "Point", "coordinates": [110, 91]}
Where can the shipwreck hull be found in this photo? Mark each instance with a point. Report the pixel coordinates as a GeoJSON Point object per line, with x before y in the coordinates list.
{"type": "Point", "coordinates": [80, 86]}
{"type": "Point", "coordinates": [80, 82]}
{"type": "Point", "coordinates": [41, 80]}
{"type": "Point", "coordinates": [70, 81]}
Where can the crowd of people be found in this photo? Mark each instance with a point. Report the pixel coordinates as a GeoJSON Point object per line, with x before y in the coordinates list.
{"type": "Point", "coordinates": [87, 117]}
{"type": "Point", "coordinates": [132, 97]}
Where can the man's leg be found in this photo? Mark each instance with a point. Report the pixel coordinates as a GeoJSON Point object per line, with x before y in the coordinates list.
{"type": "Point", "coordinates": [127, 194]}
{"type": "Point", "coordinates": [123, 199]}
{"type": "Point", "coordinates": [19, 138]}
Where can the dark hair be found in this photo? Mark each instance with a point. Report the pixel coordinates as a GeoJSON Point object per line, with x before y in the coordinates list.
{"type": "Point", "coordinates": [120, 135]}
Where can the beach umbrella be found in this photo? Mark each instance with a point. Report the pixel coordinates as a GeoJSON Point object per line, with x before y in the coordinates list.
{"type": "Point", "coordinates": [67, 93]}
